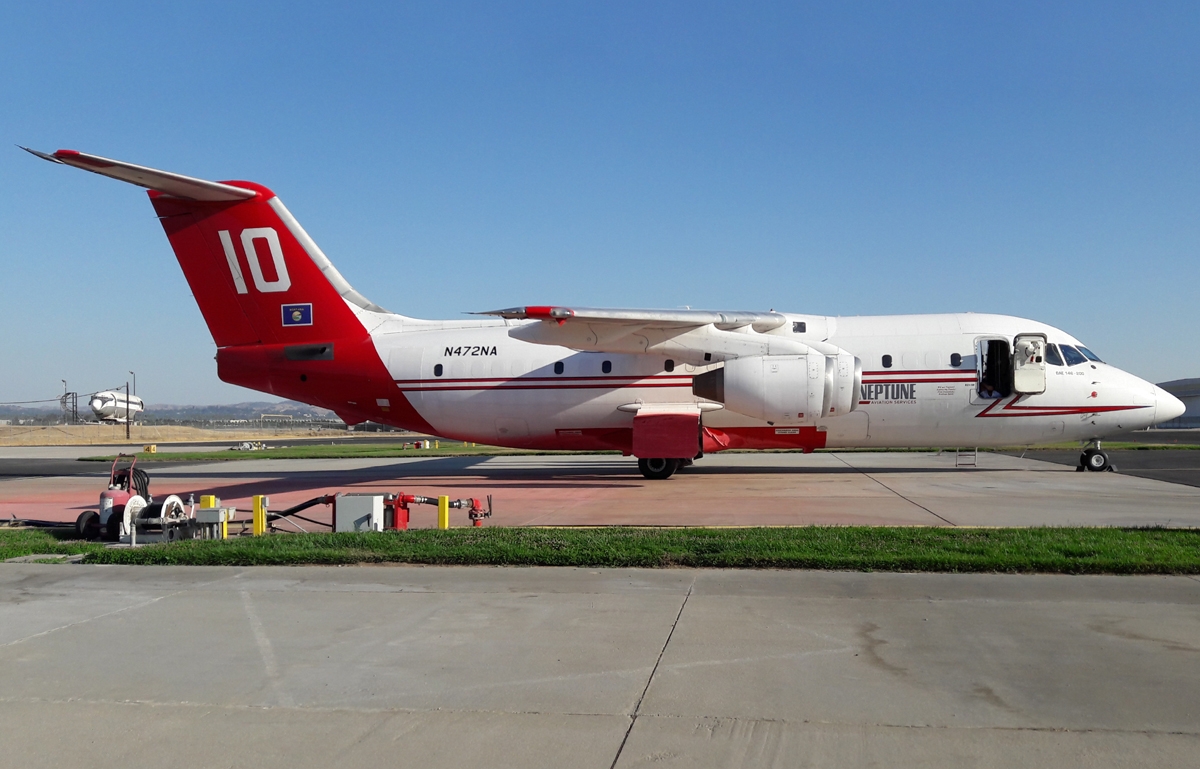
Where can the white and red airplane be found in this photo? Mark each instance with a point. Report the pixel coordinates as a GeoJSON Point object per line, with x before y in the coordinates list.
{"type": "Point", "coordinates": [665, 386]}
{"type": "Point", "coordinates": [113, 406]}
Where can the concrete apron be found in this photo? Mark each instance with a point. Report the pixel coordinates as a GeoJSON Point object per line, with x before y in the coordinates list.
{"type": "Point", "coordinates": [453, 667]}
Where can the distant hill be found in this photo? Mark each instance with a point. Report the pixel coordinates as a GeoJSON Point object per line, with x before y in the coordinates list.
{"type": "Point", "coordinates": [165, 412]}
{"type": "Point", "coordinates": [27, 412]}
{"type": "Point", "coordinates": [248, 410]}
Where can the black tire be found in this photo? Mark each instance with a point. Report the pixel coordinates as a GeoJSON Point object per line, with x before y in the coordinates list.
{"type": "Point", "coordinates": [88, 525]}
{"type": "Point", "coordinates": [112, 529]}
{"type": "Point", "coordinates": [657, 468]}
{"type": "Point", "coordinates": [1095, 460]}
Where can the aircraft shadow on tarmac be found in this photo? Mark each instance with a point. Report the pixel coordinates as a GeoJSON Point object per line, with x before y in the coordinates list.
{"type": "Point", "coordinates": [769, 470]}
{"type": "Point", "coordinates": [474, 473]}
{"type": "Point", "coordinates": [454, 473]}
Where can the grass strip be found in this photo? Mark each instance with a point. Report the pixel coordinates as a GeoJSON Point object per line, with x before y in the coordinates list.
{"type": "Point", "coordinates": [19, 542]}
{"type": "Point", "coordinates": [1034, 550]}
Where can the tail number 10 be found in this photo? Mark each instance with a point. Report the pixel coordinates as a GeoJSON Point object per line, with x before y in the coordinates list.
{"type": "Point", "coordinates": [250, 238]}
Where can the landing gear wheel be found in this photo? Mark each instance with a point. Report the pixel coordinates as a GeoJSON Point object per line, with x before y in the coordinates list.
{"type": "Point", "coordinates": [112, 530]}
{"type": "Point", "coordinates": [1095, 460]}
{"type": "Point", "coordinates": [88, 525]}
{"type": "Point", "coordinates": [658, 469]}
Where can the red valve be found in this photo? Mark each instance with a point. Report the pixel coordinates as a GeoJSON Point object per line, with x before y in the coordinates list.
{"type": "Point", "coordinates": [400, 511]}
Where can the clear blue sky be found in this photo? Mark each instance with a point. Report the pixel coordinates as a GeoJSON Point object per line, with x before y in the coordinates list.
{"type": "Point", "coordinates": [842, 158]}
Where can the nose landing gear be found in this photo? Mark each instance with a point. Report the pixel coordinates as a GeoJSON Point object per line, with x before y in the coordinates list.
{"type": "Point", "coordinates": [1095, 460]}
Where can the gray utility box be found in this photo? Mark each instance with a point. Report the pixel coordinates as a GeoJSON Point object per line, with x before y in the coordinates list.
{"type": "Point", "coordinates": [358, 512]}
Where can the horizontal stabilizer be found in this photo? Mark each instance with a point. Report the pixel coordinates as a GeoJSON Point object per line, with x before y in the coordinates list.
{"type": "Point", "coordinates": [175, 185]}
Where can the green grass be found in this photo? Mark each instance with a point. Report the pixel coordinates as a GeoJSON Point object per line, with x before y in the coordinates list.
{"type": "Point", "coordinates": [1108, 446]}
{"type": "Point", "coordinates": [1039, 550]}
{"type": "Point", "coordinates": [18, 542]}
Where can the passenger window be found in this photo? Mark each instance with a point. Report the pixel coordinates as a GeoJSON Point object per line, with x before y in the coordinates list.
{"type": "Point", "coordinates": [887, 361]}
{"type": "Point", "coordinates": [799, 327]}
{"type": "Point", "coordinates": [558, 367]}
{"type": "Point", "coordinates": [1089, 354]}
{"type": "Point", "coordinates": [955, 360]}
{"type": "Point", "coordinates": [1052, 356]}
{"type": "Point", "coordinates": [437, 370]}
{"type": "Point", "coordinates": [606, 367]}
{"type": "Point", "coordinates": [670, 366]}
{"type": "Point", "coordinates": [1072, 356]}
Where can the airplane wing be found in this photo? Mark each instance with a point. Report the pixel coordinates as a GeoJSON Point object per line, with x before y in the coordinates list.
{"type": "Point", "coordinates": [726, 321]}
{"type": "Point", "coordinates": [694, 336]}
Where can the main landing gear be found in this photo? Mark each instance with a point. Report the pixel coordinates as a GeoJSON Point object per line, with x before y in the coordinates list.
{"type": "Point", "coordinates": [1095, 460]}
{"type": "Point", "coordinates": [658, 468]}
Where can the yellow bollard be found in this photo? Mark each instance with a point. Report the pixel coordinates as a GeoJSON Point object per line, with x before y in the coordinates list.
{"type": "Point", "coordinates": [260, 515]}
{"type": "Point", "coordinates": [443, 512]}
{"type": "Point", "coordinates": [224, 528]}
{"type": "Point", "coordinates": [437, 444]}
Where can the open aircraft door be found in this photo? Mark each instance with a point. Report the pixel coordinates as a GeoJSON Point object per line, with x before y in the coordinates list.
{"type": "Point", "coordinates": [1029, 363]}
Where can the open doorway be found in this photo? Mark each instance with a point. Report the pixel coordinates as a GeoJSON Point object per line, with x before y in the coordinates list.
{"type": "Point", "coordinates": [994, 371]}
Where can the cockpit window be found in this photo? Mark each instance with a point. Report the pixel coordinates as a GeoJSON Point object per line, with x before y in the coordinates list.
{"type": "Point", "coordinates": [1089, 354]}
{"type": "Point", "coordinates": [1052, 356]}
{"type": "Point", "coordinates": [1073, 356]}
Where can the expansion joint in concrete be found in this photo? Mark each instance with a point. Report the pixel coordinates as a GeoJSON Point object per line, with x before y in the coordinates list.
{"type": "Point", "coordinates": [825, 723]}
{"type": "Point", "coordinates": [637, 708]}
{"type": "Point", "coordinates": [889, 488]}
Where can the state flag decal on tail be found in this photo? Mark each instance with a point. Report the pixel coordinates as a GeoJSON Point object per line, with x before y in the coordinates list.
{"type": "Point", "coordinates": [297, 315]}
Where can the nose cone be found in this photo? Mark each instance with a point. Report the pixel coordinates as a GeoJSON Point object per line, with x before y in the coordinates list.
{"type": "Point", "coordinates": [1166, 406]}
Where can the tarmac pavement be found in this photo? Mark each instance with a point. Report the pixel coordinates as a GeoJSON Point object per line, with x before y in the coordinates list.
{"type": "Point", "coordinates": [864, 488]}
{"type": "Point", "coordinates": [503, 667]}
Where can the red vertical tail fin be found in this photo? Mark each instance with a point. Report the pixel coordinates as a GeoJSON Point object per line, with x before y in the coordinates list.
{"type": "Point", "coordinates": [256, 274]}
{"type": "Point", "coordinates": [283, 319]}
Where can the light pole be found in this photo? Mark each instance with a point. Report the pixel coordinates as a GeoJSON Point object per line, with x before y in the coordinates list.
{"type": "Point", "coordinates": [134, 382]}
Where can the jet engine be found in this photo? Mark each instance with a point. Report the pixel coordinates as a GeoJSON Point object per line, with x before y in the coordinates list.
{"type": "Point", "coordinates": [785, 389]}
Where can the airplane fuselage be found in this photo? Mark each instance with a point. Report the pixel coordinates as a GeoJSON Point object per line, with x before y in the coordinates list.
{"type": "Point", "coordinates": [472, 381]}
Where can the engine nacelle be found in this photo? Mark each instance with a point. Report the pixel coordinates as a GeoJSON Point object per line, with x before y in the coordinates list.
{"type": "Point", "coordinates": [845, 374]}
{"type": "Point", "coordinates": [785, 389]}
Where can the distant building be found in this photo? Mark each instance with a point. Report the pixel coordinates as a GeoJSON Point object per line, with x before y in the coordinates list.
{"type": "Point", "coordinates": [1188, 391]}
